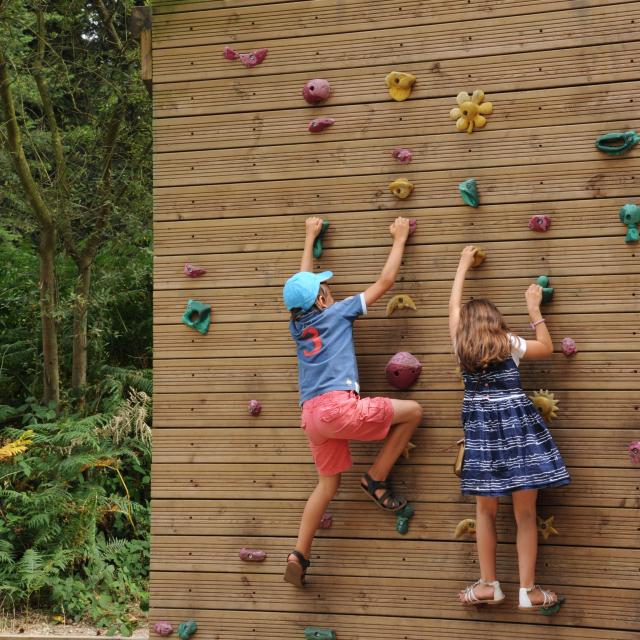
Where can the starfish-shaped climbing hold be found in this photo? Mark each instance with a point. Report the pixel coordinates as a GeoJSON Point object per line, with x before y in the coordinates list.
{"type": "Point", "coordinates": [546, 528]}
{"type": "Point", "coordinates": [406, 454]}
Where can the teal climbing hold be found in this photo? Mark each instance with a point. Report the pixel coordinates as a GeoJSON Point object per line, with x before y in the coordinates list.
{"type": "Point", "coordinates": [402, 518]}
{"type": "Point", "coordinates": [197, 315]}
{"type": "Point", "coordinates": [317, 245]}
{"type": "Point", "coordinates": [314, 633]}
{"type": "Point", "coordinates": [547, 291]}
{"type": "Point", "coordinates": [187, 629]}
{"type": "Point", "coordinates": [615, 144]}
{"type": "Point", "coordinates": [469, 192]}
{"type": "Point", "coordinates": [630, 215]}
{"type": "Point", "coordinates": [554, 608]}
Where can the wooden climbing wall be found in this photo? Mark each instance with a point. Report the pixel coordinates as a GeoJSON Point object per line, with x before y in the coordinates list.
{"type": "Point", "coordinates": [236, 174]}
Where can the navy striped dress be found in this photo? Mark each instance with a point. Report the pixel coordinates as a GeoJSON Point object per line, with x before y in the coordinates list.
{"type": "Point", "coordinates": [507, 445]}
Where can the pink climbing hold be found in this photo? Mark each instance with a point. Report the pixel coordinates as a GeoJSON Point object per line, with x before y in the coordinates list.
{"type": "Point", "coordinates": [413, 225]}
{"type": "Point", "coordinates": [326, 521]}
{"type": "Point", "coordinates": [251, 59]}
{"type": "Point", "coordinates": [316, 90]}
{"type": "Point", "coordinates": [403, 370]}
{"type": "Point", "coordinates": [634, 451]}
{"type": "Point", "coordinates": [252, 555]}
{"type": "Point", "coordinates": [539, 222]}
{"type": "Point", "coordinates": [402, 155]}
{"type": "Point", "coordinates": [193, 271]}
{"type": "Point", "coordinates": [254, 408]}
{"type": "Point", "coordinates": [319, 124]}
{"type": "Point", "coordinates": [163, 628]}
{"type": "Point", "coordinates": [569, 346]}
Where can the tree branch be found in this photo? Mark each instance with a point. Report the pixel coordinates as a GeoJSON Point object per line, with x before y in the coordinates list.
{"type": "Point", "coordinates": [107, 18]}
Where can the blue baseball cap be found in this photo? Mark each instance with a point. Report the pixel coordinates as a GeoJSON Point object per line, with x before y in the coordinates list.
{"type": "Point", "coordinates": [301, 290]}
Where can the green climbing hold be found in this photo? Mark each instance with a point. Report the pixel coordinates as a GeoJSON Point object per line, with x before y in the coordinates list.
{"type": "Point", "coordinates": [547, 291]}
{"type": "Point", "coordinates": [187, 629]}
{"type": "Point", "coordinates": [317, 245]}
{"type": "Point", "coordinates": [402, 518]}
{"type": "Point", "coordinates": [615, 144]}
{"type": "Point", "coordinates": [554, 608]}
{"type": "Point", "coordinates": [197, 315]}
{"type": "Point", "coordinates": [313, 633]}
{"type": "Point", "coordinates": [630, 215]}
{"type": "Point", "coordinates": [469, 192]}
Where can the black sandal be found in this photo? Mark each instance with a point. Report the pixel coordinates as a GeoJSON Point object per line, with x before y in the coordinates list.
{"type": "Point", "coordinates": [296, 571]}
{"type": "Point", "coordinates": [387, 501]}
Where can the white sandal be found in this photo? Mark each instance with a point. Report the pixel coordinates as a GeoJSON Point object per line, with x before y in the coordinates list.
{"type": "Point", "coordinates": [470, 598]}
{"type": "Point", "coordinates": [526, 604]}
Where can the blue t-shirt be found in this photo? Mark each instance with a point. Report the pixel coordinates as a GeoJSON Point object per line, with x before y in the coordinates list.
{"type": "Point", "coordinates": [324, 344]}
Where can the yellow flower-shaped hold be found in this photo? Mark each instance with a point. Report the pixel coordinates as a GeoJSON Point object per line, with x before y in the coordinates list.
{"type": "Point", "coordinates": [546, 528]}
{"type": "Point", "coordinates": [401, 188]}
{"type": "Point", "coordinates": [471, 111]}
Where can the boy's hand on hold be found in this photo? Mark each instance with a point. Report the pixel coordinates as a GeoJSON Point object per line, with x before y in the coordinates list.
{"type": "Point", "coordinates": [466, 257]}
{"type": "Point", "coordinates": [533, 296]}
{"type": "Point", "coordinates": [314, 226]}
{"type": "Point", "coordinates": [399, 229]}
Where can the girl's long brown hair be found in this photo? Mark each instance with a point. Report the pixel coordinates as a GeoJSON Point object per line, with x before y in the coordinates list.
{"type": "Point", "coordinates": [483, 335]}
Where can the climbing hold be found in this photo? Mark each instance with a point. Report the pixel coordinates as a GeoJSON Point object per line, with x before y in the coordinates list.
{"type": "Point", "coordinates": [406, 453]}
{"type": "Point", "coordinates": [400, 301]}
{"type": "Point", "coordinates": [466, 527]}
{"type": "Point", "coordinates": [163, 628]}
{"type": "Point", "coordinates": [314, 633]}
{"type": "Point", "coordinates": [400, 84]}
{"type": "Point", "coordinates": [402, 155]}
{"type": "Point", "coordinates": [317, 244]}
{"type": "Point", "coordinates": [193, 271]}
{"type": "Point", "coordinates": [554, 608]}
{"type": "Point", "coordinates": [545, 402]}
{"type": "Point", "coordinates": [187, 629]}
{"type": "Point", "coordinates": [630, 215]}
{"type": "Point", "coordinates": [252, 555]}
{"type": "Point", "coordinates": [634, 451]}
{"type": "Point", "coordinates": [569, 346]}
{"type": "Point", "coordinates": [547, 291]}
{"type": "Point", "coordinates": [546, 528]}
{"type": "Point", "coordinates": [539, 222]}
{"type": "Point", "coordinates": [469, 192]}
{"type": "Point", "coordinates": [479, 256]}
{"type": "Point", "coordinates": [403, 370]}
{"type": "Point", "coordinates": [471, 111]}
{"type": "Point", "coordinates": [316, 90]}
{"type": "Point", "coordinates": [413, 225]}
{"type": "Point", "coordinates": [402, 518]}
{"type": "Point", "coordinates": [251, 59]}
{"type": "Point", "coordinates": [326, 522]}
{"type": "Point", "coordinates": [616, 144]}
{"type": "Point", "coordinates": [319, 124]}
{"type": "Point", "coordinates": [401, 188]}
{"type": "Point", "coordinates": [255, 407]}
{"type": "Point", "coordinates": [197, 315]}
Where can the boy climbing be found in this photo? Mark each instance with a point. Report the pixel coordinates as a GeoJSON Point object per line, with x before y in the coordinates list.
{"type": "Point", "coordinates": [332, 410]}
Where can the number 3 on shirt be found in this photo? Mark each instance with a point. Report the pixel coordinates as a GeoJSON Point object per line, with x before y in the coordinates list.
{"type": "Point", "coordinates": [312, 334]}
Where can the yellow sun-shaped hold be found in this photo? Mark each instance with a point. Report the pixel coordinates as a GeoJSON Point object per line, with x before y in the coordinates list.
{"type": "Point", "coordinates": [546, 403]}
{"type": "Point", "coordinates": [546, 528]}
{"type": "Point", "coordinates": [471, 111]}
{"type": "Point", "coordinates": [466, 527]}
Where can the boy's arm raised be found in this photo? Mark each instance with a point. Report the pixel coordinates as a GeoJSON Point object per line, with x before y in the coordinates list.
{"type": "Point", "coordinates": [399, 230]}
{"type": "Point", "coordinates": [455, 301]}
{"type": "Point", "coordinates": [313, 228]}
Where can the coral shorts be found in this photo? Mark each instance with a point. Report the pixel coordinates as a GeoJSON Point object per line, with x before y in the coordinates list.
{"type": "Point", "coordinates": [333, 418]}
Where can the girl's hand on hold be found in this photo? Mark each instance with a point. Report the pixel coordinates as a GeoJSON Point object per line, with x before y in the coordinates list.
{"type": "Point", "coordinates": [533, 296]}
{"type": "Point", "coordinates": [314, 226]}
{"type": "Point", "coordinates": [399, 229]}
{"type": "Point", "coordinates": [466, 258]}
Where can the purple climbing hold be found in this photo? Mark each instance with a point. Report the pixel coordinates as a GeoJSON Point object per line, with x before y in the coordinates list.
{"type": "Point", "coordinates": [229, 53]}
{"type": "Point", "coordinates": [316, 90]}
{"type": "Point", "coordinates": [250, 59]}
{"type": "Point", "coordinates": [634, 451]}
{"type": "Point", "coordinates": [413, 225]}
{"type": "Point", "coordinates": [403, 370]}
{"type": "Point", "coordinates": [569, 346]}
{"type": "Point", "coordinates": [252, 555]}
{"type": "Point", "coordinates": [326, 521]}
{"type": "Point", "coordinates": [402, 155]}
{"type": "Point", "coordinates": [163, 628]}
{"type": "Point", "coordinates": [539, 222]}
{"type": "Point", "coordinates": [254, 408]}
{"type": "Point", "coordinates": [192, 271]}
{"type": "Point", "coordinates": [319, 124]}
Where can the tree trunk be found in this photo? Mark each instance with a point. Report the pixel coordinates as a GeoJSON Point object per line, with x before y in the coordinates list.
{"type": "Point", "coordinates": [51, 373]}
{"type": "Point", "coordinates": [80, 313]}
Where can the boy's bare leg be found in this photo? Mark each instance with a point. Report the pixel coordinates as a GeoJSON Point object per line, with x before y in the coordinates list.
{"type": "Point", "coordinates": [313, 511]}
{"type": "Point", "coordinates": [407, 415]}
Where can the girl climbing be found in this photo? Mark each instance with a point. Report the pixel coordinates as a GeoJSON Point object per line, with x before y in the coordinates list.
{"type": "Point", "coordinates": [508, 448]}
{"type": "Point", "coordinates": [332, 410]}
